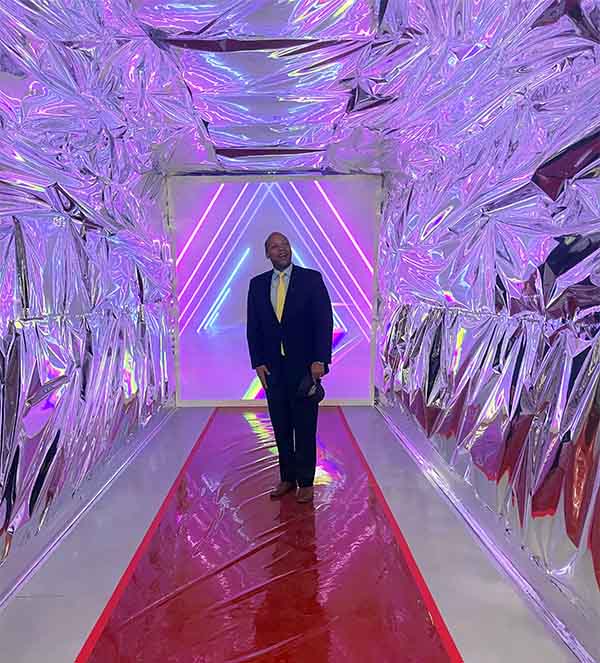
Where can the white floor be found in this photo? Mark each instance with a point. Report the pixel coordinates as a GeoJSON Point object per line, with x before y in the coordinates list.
{"type": "Point", "coordinates": [490, 622]}
{"type": "Point", "coordinates": [485, 613]}
{"type": "Point", "coordinates": [50, 619]}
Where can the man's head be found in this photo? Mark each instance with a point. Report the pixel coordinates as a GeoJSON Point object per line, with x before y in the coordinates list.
{"type": "Point", "coordinates": [278, 250]}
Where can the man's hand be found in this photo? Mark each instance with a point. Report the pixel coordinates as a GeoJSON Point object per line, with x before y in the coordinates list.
{"type": "Point", "coordinates": [262, 372]}
{"type": "Point", "coordinates": [317, 370]}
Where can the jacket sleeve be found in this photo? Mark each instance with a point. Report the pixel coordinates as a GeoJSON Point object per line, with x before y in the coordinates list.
{"type": "Point", "coordinates": [323, 319]}
{"type": "Point", "coordinates": [255, 341]}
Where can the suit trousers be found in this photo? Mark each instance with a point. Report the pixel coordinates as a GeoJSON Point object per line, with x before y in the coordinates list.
{"type": "Point", "coordinates": [294, 423]}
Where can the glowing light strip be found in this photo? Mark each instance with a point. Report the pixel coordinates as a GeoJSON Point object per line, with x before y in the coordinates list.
{"type": "Point", "coordinates": [209, 247]}
{"type": "Point", "coordinates": [296, 254]}
{"type": "Point", "coordinates": [256, 385]}
{"type": "Point", "coordinates": [341, 10]}
{"type": "Point", "coordinates": [349, 309]}
{"type": "Point", "coordinates": [342, 283]}
{"type": "Point", "coordinates": [253, 390]}
{"type": "Point", "coordinates": [197, 228]}
{"type": "Point", "coordinates": [338, 353]}
{"type": "Point", "coordinates": [212, 321]}
{"type": "Point", "coordinates": [214, 308]}
{"type": "Point", "coordinates": [337, 319]}
{"type": "Point", "coordinates": [345, 227]}
{"type": "Point", "coordinates": [345, 349]}
{"type": "Point", "coordinates": [224, 261]}
{"type": "Point", "coordinates": [301, 262]}
{"type": "Point", "coordinates": [214, 239]}
{"type": "Point", "coordinates": [225, 288]}
{"type": "Point", "coordinates": [332, 246]}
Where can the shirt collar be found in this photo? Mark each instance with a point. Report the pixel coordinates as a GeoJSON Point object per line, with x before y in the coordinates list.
{"type": "Point", "coordinates": [287, 271]}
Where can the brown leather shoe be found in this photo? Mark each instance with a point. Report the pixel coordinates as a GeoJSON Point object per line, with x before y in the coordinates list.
{"type": "Point", "coordinates": [282, 488]}
{"type": "Point", "coordinates": [305, 495]}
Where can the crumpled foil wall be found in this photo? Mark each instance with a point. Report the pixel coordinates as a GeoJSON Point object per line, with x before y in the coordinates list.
{"type": "Point", "coordinates": [485, 116]}
{"type": "Point", "coordinates": [85, 270]}
{"type": "Point", "coordinates": [490, 271]}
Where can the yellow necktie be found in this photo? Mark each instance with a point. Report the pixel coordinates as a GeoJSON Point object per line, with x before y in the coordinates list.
{"type": "Point", "coordinates": [280, 300]}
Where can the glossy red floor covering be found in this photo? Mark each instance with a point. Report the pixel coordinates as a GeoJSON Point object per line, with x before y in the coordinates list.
{"type": "Point", "coordinates": [225, 574]}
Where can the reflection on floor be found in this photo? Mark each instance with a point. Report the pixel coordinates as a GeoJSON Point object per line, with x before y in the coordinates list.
{"type": "Point", "coordinates": [360, 569]}
{"type": "Point", "coordinates": [229, 575]}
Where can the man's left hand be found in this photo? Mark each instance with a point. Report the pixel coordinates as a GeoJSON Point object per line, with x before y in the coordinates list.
{"type": "Point", "coordinates": [317, 370]}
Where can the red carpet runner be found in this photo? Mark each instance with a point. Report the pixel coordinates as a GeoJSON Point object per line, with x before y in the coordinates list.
{"type": "Point", "coordinates": [226, 575]}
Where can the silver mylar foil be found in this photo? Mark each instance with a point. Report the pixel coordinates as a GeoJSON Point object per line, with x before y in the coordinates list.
{"type": "Point", "coordinates": [485, 117]}
{"type": "Point", "coordinates": [85, 269]}
{"type": "Point", "coordinates": [489, 271]}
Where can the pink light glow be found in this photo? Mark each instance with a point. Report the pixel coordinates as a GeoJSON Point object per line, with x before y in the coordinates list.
{"type": "Point", "coordinates": [209, 247]}
{"type": "Point", "coordinates": [345, 228]}
{"type": "Point", "coordinates": [333, 270]}
{"type": "Point", "coordinates": [332, 246]}
{"type": "Point", "coordinates": [358, 308]}
{"type": "Point", "coordinates": [317, 262]}
{"type": "Point", "coordinates": [217, 257]}
{"type": "Point", "coordinates": [213, 362]}
{"type": "Point", "coordinates": [199, 224]}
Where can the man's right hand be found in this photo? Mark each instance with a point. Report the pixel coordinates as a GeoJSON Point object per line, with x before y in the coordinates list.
{"type": "Point", "coordinates": [262, 372]}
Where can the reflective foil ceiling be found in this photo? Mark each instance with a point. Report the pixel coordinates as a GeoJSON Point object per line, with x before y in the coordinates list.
{"type": "Point", "coordinates": [225, 85]}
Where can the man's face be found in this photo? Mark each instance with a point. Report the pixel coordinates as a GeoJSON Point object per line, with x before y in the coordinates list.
{"type": "Point", "coordinates": [279, 251]}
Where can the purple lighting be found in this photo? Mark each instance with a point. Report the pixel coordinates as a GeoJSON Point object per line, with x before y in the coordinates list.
{"type": "Point", "coordinates": [215, 274]}
{"type": "Point", "coordinates": [337, 282]}
{"type": "Point", "coordinates": [326, 258]}
{"type": "Point", "coordinates": [197, 228]}
{"type": "Point", "coordinates": [218, 258]}
{"type": "Point", "coordinates": [209, 247]}
{"type": "Point", "coordinates": [355, 244]}
{"type": "Point", "coordinates": [471, 127]}
{"type": "Point", "coordinates": [332, 246]}
{"type": "Point", "coordinates": [214, 309]}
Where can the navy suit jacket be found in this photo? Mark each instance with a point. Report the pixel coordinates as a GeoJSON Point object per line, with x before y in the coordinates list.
{"type": "Point", "coordinates": [306, 327]}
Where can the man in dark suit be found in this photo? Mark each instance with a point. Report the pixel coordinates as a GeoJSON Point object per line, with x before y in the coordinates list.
{"type": "Point", "coordinates": [289, 330]}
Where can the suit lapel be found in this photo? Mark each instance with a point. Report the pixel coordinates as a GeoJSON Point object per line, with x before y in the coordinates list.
{"type": "Point", "coordinates": [267, 293]}
{"type": "Point", "coordinates": [291, 291]}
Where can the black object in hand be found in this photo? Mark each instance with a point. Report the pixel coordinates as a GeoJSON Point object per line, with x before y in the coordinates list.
{"type": "Point", "coordinates": [311, 389]}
